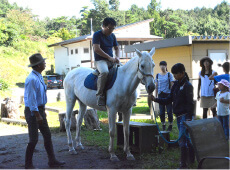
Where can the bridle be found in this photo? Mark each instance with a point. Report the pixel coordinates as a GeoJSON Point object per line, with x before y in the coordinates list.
{"type": "Point", "coordinates": [142, 73]}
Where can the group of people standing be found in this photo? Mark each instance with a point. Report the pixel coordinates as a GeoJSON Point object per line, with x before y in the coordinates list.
{"type": "Point", "coordinates": [217, 99]}
{"type": "Point", "coordinates": [177, 97]}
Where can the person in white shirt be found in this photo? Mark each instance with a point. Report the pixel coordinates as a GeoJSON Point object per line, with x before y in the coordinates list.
{"type": "Point", "coordinates": [206, 87]}
{"type": "Point", "coordinates": [223, 99]}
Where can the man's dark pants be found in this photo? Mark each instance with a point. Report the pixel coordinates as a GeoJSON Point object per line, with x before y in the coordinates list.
{"type": "Point", "coordinates": [33, 127]}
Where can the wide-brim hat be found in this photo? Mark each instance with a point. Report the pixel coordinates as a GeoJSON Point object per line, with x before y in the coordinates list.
{"type": "Point", "coordinates": [36, 59]}
{"type": "Point", "coordinates": [205, 58]}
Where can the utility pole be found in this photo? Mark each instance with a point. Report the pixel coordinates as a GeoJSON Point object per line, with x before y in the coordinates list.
{"type": "Point", "coordinates": [91, 28]}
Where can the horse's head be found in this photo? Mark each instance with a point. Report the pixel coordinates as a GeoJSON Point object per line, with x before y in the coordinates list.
{"type": "Point", "coordinates": [145, 69]}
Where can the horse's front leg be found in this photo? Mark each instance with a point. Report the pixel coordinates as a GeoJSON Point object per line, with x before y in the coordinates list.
{"type": "Point", "coordinates": [126, 118]}
{"type": "Point", "coordinates": [82, 111]}
{"type": "Point", "coordinates": [112, 120]}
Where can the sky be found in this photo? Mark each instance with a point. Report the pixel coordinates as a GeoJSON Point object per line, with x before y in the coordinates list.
{"type": "Point", "coordinates": [58, 8]}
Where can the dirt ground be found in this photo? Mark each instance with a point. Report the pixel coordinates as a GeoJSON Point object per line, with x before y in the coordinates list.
{"type": "Point", "coordinates": [13, 141]}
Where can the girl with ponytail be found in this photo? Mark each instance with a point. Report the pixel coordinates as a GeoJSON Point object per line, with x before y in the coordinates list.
{"type": "Point", "coordinates": [182, 97]}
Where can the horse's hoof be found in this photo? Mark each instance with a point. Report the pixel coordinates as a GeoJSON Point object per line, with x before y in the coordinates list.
{"type": "Point", "coordinates": [114, 159]}
{"type": "Point", "coordinates": [73, 152]}
{"type": "Point", "coordinates": [130, 158]}
{"type": "Point", "coordinates": [81, 147]}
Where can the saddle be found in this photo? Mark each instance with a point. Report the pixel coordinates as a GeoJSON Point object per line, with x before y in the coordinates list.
{"type": "Point", "coordinates": [91, 80]}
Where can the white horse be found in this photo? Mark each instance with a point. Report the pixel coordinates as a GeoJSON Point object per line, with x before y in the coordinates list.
{"type": "Point", "coordinates": [120, 98]}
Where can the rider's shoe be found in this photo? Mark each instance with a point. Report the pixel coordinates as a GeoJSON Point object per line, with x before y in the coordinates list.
{"type": "Point", "coordinates": [101, 100]}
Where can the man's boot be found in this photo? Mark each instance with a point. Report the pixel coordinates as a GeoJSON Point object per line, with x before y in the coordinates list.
{"type": "Point", "coordinates": [53, 162]}
{"type": "Point", "coordinates": [101, 81]}
{"type": "Point", "coordinates": [183, 158]}
{"type": "Point", "coordinates": [101, 100]}
{"type": "Point", "coordinates": [29, 156]}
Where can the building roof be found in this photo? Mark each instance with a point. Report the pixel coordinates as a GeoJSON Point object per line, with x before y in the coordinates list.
{"type": "Point", "coordinates": [173, 42]}
{"type": "Point", "coordinates": [119, 36]}
{"type": "Point", "coordinates": [70, 41]}
{"type": "Point", "coordinates": [210, 38]}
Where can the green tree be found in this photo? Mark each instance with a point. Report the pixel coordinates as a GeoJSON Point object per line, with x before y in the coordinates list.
{"type": "Point", "coordinates": [114, 5]}
{"type": "Point", "coordinates": [56, 24]}
{"type": "Point", "coordinates": [135, 14]}
{"type": "Point", "coordinates": [174, 27]}
{"type": "Point", "coordinates": [84, 23]}
{"type": "Point", "coordinates": [9, 32]}
{"type": "Point", "coordinates": [156, 27]}
{"type": "Point", "coordinates": [24, 20]}
{"type": "Point", "coordinates": [5, 6]}
{"type": "Point", "coordinates": [40, 29]}
{"type": "Point", "coordinates": [98, 14]}
{"type": "Point", "coordinates": [64, 34]}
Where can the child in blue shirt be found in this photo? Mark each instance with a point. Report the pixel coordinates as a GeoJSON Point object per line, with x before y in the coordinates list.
{"type": "Point", "coordinates": [225, 76]}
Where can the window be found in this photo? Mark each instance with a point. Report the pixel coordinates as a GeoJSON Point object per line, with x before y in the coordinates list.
{"type": "Point", "coordinates": [76, 51]}
{"type": "Point", "coordinates": [71, 52]}
{"type": "Point", "coordinates": [218, 57]}
{"type": "Point", "coordinates": [86, 50]}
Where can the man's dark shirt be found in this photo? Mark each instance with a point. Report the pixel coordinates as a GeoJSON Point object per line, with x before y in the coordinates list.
{"type": "Point", "coordinates": [106, 44]}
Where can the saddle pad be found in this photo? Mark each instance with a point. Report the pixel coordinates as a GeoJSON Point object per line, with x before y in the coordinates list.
{"type": "Point", "coordinates": [91, 80]}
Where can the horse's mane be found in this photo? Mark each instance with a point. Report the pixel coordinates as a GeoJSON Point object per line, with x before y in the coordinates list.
{"type": "Point", "coordinates": [130, 63]}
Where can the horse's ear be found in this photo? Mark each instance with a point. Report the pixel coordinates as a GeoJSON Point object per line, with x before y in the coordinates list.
{"type": "Point", "coordinates": [138, 52]}
{"type": "Point", "coordinates": [152, 52]}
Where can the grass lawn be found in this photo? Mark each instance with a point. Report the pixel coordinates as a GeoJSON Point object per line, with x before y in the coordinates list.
{"type": "Point", "coordinates": [168, 158]}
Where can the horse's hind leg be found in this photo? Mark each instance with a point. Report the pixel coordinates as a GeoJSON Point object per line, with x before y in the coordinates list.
{"type": "Point", "coordinates": [70, 102]}
{"type": "Point", "coordinates": [82, 111]}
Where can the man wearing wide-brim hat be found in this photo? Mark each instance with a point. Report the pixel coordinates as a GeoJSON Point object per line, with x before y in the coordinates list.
{"type": "Point", "coordinates": [35, 99]}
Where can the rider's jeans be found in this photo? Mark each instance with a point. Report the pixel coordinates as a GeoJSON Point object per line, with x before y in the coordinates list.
{"type": "Point", "coordinates": [102, 67]}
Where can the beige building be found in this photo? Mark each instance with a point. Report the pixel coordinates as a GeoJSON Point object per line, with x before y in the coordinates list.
{"type": "Point", "coordinates": [188, 50]}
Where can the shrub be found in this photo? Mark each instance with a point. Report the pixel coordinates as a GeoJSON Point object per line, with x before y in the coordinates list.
{"type": "Point", "coordinates": [3, 85]}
